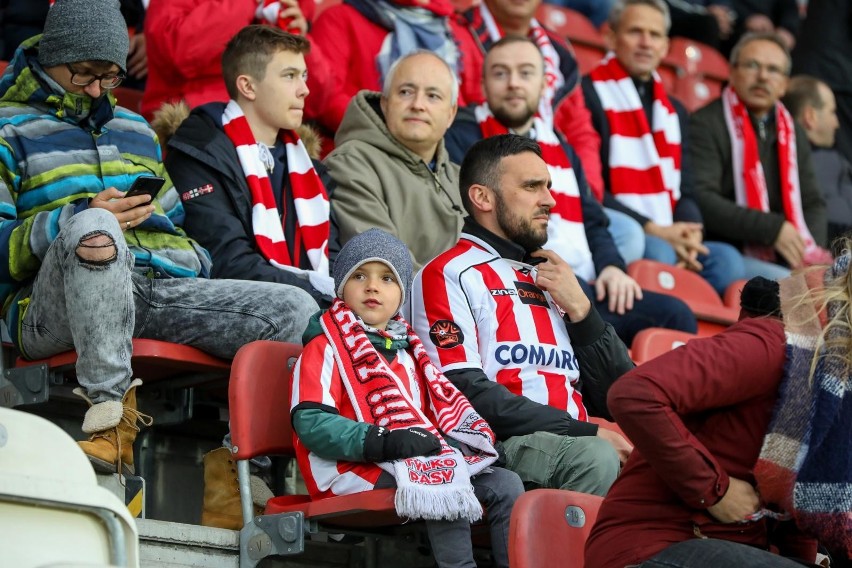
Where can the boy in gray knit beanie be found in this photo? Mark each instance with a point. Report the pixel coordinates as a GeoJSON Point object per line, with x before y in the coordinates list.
{"type": "Point", "coordinates": [84, 30]}
{"type": "Point", "coordinates": [374, 245]}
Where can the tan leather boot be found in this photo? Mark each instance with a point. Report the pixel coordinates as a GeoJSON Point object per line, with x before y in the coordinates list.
{"type": "Point", "coordinates": [112, 428]}
{"type": "Point", "coordinates": [222, 492]}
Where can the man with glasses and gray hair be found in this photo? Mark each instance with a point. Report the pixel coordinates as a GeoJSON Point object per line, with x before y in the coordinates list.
{"type": "Point", "coordinates": [83, 264]}
{"type": "Point", "coordinates": [753, 175]}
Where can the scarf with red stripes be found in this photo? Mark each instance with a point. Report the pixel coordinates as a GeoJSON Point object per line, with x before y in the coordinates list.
{"type": "Point", "coordinates": [269, 12]}
{"type": "Point", "coordinates": [566, 234]}
{"type": "Point", "coordinates": [309, 196]}
{"type": "Point", "coordinates": [552, 73]}
{"type": "Point", "coordinates": [428, 487]}
{"type": "Point", "coordinates": [749, 181]}
{"type": "Point", "coordinates": [644, 160]}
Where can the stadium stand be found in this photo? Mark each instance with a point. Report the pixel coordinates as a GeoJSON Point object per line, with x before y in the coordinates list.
{"type": "Point", "coordinates": [697, 72]}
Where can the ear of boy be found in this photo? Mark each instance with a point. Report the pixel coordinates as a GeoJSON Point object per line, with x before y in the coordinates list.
{"type": "Point", "coordinates": [382, 444]}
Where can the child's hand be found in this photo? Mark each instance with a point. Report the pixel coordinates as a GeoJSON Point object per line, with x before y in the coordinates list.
{"type": "Point", "coordinates": [386, 445]}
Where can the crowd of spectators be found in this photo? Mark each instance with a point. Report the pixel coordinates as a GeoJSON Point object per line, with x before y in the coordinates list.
{"type": "Point", "coordinates": [289, 134]}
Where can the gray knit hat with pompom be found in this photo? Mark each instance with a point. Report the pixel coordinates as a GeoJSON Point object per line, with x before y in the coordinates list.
{"type": "Point", "coordinates": [374, 245]}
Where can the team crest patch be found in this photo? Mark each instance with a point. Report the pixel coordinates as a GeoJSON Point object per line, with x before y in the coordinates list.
{"type": "Point", "coordinates": [446, 334]}
{"type": "Point", "coordinates": [193, 193]}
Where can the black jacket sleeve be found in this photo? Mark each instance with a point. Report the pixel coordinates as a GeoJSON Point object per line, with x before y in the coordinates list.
{"type": "Point", "coordinates": [603, 358]}
{"type": "Point", "coordinates": [462, 134]}
{"type": "Point", "coordinates": [212, 220]}
{"type": "Point", "coordinates": [687, 206]}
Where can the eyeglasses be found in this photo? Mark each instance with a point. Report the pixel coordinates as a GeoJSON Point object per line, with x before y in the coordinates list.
{"type": "Point", "coordinates": [84, 79]}
{"type": "Point", "coordinates": [752, 66]}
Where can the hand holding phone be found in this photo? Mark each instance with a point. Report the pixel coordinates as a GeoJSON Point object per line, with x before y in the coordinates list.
{"type": "Point", "coordinates": [146, 185]}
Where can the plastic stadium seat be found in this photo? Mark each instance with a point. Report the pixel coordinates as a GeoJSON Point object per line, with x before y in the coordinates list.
{"type": "Point", "coordinates": [52, 510]}
{"type": "Point", "coordinates": [549, 528]}
{"type": "Point", "coordinates": [3, 65]}
{"type": "Point", "coordinates": [732, 294]}
{"type": "Point", "coordinates": [654, 341]}
{"type": "Point", "coordinates": [585, 38]}
{"type": "Point", "coordinates": [713, 316]}
{"type": "Point", "coordinates": [259, 398]}
{"type": "Point", "coordinates": [699, 72]}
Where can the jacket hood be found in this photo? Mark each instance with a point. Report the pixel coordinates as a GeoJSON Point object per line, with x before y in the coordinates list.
{"type": "Point", "coordinates": [365, 122]}
{"type": "Point", "coordinates": [20, 84]}
{"type": "Point", "coordinates": [169, 118]}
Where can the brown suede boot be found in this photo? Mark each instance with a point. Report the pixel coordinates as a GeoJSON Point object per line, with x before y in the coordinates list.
{"type": "Point", "coordinates": [112, 425]}
{"type": "Point", "coordinates": [222, 492]}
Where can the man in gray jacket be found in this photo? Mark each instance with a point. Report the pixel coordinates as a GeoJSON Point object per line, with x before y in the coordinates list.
{"type": "Point", "coordinates": [390, 165]}
{"type": "Point", "coordinates": [752, 166]}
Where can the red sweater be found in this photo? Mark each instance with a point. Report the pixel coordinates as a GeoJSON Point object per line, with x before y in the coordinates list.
{"type": "Point", "coordinates": [185, 41]}
{"type": "Point", "coordinates": [696, 415]}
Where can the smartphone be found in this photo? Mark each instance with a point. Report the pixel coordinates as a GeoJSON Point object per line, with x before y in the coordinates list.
{"type": "Point", "coordinates": [146, 185]}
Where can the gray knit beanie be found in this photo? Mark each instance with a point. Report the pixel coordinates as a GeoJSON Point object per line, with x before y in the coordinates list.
{"type": "Point", "coordinates": [374, 245]}
{"type": "Point", "coordinates": [84, 30]}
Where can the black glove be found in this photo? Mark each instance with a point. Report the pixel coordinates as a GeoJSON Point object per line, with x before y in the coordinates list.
{"type": "Point", "coordinates": [382, 444]}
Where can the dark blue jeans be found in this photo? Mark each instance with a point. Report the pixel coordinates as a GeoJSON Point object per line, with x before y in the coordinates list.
{"type": "Point", "coordinates": [96, 308]}
{"type": "Point", "coordinates": [713, 553]}
{"type": "Point", "coordinates": [653, 310]}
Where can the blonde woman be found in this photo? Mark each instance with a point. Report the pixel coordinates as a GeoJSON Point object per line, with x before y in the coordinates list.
{"type": "Point", "coordinates": [742, 441]}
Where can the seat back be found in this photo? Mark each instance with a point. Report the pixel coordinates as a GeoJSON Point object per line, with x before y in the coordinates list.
{"type": "Point", "coordinates": [585, 38]}
{"type": "Point", "coordinates": [130, 99]}
{"type": "Point", "coordinates": [259, 399]}
{"type": "Point", "coordinates": [549, 528]}
{"type": "Point", "coordinates": [733, 293]}
{"type": "Point", "coordinates": [52, 510]}
{"type": "Point", "coordinates": [690, 287]}
{"type": "Point", "coordinates": [654, 341]}
{"type": "Point", "coordinates": [699, 70]}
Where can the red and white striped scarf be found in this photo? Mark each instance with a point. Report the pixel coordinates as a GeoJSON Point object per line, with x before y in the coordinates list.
{"type": "Point", "coordinates": [309, 196]}
{"type": "Point", "coordinates": [552, 74]}
{"type": "Point", "coordinates": [428, 487]}
{"type": "Point", "coordinates": [566, 234]}
{"type": "Point", "coordinates": [749, 181]}
{"type": "Point", "coordinates": [644, 160]}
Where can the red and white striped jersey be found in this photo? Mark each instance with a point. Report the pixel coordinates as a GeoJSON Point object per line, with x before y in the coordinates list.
{"type": "Point", "coordinates": [480, 310]}
{"type": "Point", "coordinates": [316, 379]}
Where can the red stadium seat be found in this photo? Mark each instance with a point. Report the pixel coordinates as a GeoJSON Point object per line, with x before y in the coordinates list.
{"type": "Point", "coordinates": [259, 398]}
{"type": "Point", "coordinates": [3, 65]}
{"type": "Point", "coordinates": [585, 38]}
{"type": "Point", "coordinates": [654, 341]}
{"type": "Point", "coordinates": [713, 316]}
{"type": "Point", "coordinates": [549, 528]}
{"type": "Point", "coordinates": [732, 294]}
{"type": "Point", "coordinates": [699, 72]}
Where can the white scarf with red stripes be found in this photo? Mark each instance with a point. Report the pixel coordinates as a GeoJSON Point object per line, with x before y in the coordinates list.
{"type": "Point", "coordinates": [309, 196]}
{"type": "Point", "coordinates": [428, 487]}
{"type": "Point", "coordinates": [644, 160]}
{"type": "Point", "coordinates": [552, 74]}
{"type": "Point", "coordinates": [566, 234]}
{"type": "Point", "coordinates": [749, 181]}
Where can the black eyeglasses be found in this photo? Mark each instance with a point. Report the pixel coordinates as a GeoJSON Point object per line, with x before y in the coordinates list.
{"type": "Point", "coordinates": [84, 79]}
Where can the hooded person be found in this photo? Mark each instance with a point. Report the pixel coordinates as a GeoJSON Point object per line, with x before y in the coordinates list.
{"type": "Point", "coordinates": [370, 410]}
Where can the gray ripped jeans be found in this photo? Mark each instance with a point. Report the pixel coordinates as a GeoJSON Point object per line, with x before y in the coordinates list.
{"type": "Point", "coordinates": [97, 307]}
